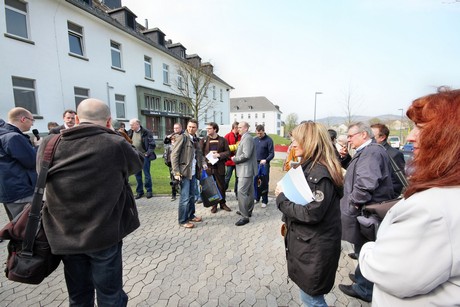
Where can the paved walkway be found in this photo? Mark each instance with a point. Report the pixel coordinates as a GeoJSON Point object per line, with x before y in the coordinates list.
{"type": "Point", "coordinates": [215, 264]}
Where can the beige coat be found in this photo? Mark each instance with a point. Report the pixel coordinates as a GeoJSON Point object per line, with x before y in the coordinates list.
{"type": "Point", "coordinates": [415, 260]}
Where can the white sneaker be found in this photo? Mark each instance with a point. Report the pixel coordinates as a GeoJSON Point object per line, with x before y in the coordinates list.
{"type": "Point", "coordinates": [264, 205]}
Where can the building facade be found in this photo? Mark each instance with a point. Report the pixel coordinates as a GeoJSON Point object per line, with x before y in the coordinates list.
{"type": "Point", "coordinates": [56, 53]}
{"type": "Point", "coordinates": [256, 111]}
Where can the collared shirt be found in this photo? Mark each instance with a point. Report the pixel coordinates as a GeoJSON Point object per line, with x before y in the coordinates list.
{"type": "Point", "coordinates": [363, 145]}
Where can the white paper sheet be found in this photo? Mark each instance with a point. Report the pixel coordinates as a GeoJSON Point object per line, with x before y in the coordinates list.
{"type": "Point", "coordinates": [295, 187]}
{"type": "Point", "coordinates": [211, 159]}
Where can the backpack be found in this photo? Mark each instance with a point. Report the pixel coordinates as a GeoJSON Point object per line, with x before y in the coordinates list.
{"type": "Point", "coordinates": [167, 155]}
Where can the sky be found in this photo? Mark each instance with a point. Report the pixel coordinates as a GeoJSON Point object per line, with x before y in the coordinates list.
{"type": "Point", "coordinates": [378, 54]}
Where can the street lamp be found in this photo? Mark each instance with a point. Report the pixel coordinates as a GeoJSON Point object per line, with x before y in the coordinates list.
{"type": "Point", "coordinates": [314, 116]}
{"type": "Point", "coordinates": [400, 125]}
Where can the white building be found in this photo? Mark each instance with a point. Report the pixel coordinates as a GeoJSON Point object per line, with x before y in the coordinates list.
{"type": "Point", "coordinates": [55, 53]}
{"type": "Point", "coordinates": [256, 111]}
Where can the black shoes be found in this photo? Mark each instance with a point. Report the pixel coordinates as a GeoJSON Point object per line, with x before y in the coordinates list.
{"type": "Point", "coordinates": [352, 277]}
{"type": "Point", "coordinates": [149, 195]}
{"type": "Point", "coordinates": [354, 256]}
{"type": "Point", "coordinates": [348, 290]}
{"type": "Point", "coordinates": [239, 213]}
{"type": "Point", "coordinates": [138, 196]}
{"type": "Point", "coordinates": [242, 222]}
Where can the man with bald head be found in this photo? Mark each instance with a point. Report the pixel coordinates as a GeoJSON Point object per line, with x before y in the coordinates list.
{"type": "Point", "coordinates": [17, 161]}
{"type": "Point", "coordinates": [89, 205]}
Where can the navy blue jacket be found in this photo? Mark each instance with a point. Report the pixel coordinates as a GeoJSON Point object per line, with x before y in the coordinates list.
{"type": "Point", "coordinates": [264, 148]}
{"type": "Point", "coordinates": [17, 164]}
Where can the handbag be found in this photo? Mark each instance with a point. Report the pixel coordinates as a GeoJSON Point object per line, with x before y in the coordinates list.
{"type": "Point", "coordinates": [380, 209]}
{"type": "Point", "coordinates": [260, 182]}
{"type": "Point", "coordinates": [210, 194]}
{"type": "Point", "coordinates": [30, 259]}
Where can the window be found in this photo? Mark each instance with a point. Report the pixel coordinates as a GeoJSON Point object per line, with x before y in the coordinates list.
{"type": "Point", "coordinates": [148, 67]}
{"type": "Point", "coordinates": [152, 103]}
{"type": "Point", "coordinates": [120, 105]}
{"type": "Point", "coordinates": [16, 18]}
{"type": "Point", "coordinates": [180, 81]}
{"type": "Point", "coordinates": [213, 92]}
{"type": "Point", "coordinates": [221, 95]}
{"type": "Point", "coordinates": [24, 94]}
{"type": "Point", "coordinates": [255, 115]}
{"type": "Point", "coordinates": [242, 116]}
{"type": "Point", "coordinates": [80, 95]}
{"type": "Point", "coordinates": [116, 54]}
{"type": "Point", "coordinates": [263, 115]}
{"type": "Point", "coordinates": [75, 38]}
{"type": "Point", "coordinates": [249, 116]}
{"type": "Point", "coordinates": [169, 104]}
{"type": "Point", "coordinates": [165, 73]}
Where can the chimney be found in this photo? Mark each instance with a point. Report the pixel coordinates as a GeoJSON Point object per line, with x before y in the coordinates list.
{"type": "Point", "coordinates": [146, 23]}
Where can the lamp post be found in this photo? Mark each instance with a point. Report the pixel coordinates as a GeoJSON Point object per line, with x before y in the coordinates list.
{"type": "Point", "coordinates": [314, 115]}
{"type": "Point", "coordinates": [400, 126]}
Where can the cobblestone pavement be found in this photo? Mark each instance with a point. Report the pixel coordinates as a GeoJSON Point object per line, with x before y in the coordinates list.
{"type": "Point", "coordinates": [215, 264]}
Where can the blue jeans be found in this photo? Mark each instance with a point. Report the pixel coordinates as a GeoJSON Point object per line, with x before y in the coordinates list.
{"type": "Point", "coordinates": [362, 286]}
{"type": "Point", "coordinates": [312, 301]}
{"type": "Point", "coordinates": [101, 271]}
{"type": "Point", "coordinates": [148, 178]}
{"type": "Point", "coordinates": [187, 199]}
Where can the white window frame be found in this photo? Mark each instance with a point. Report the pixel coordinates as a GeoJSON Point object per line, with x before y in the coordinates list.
{"type": "Point", "coordinates": [148, 67]}
{"type": "Point", "coordinates": [75, 31]}
{"type": "Point", "coordinates": [180, 81]}
{"type": "Point", "coordinates": [80, 95]}
{"type": "Point", "coordinates": [221, 95]}
{"type": "Point", "coordinates": [24, 92]}
{"type": "Point", "coordinates": [165, 74]}
{"type": "Point", "coordinates": [115, 51]}
{"type": "Point", "coordinates": [214, 92]}
{"type": "Point", "coordinates": [120, 105]}
{"type": "Point", "coordinates": [12, 11]}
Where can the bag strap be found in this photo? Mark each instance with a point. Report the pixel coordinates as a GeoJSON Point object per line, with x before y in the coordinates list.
{"type": "Point", "coordinates": [33, 220]}
{"type": "Point", "coordinates": [398, 171]}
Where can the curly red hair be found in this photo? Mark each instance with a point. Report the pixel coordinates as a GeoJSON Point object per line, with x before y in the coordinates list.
{"type": "Point", "coordinates": [437, 161]}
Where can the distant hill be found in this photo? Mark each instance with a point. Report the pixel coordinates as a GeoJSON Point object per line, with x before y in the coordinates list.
{"type": "Point", "coordinates": [338, 120]}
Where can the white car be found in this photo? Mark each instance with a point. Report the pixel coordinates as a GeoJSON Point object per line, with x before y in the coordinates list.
{"type": "Point", "coordinates": [394, 141]}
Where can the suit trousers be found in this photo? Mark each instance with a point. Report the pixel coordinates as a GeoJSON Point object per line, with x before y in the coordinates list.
{"type": "Point", "coordinates": [246, 196]}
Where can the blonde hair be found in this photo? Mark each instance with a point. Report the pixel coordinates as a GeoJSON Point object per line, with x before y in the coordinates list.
{"type": "Point", "coordinates": [316, 143]}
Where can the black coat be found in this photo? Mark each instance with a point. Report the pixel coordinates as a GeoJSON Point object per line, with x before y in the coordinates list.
{"type": "Point", "coordinates": [313, 237]}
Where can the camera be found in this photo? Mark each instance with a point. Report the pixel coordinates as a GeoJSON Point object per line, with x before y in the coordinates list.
{"type": "Point", "coordinates": [174, 182]}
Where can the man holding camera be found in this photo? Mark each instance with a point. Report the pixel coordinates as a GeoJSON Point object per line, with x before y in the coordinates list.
{"type": "Point", "coordinates": [186, 162]}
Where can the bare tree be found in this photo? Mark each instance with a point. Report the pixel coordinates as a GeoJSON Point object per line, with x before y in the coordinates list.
{"type": "Point", "coordinates": [350, 104]}
{"type": "Point", "coordinates": [291, 122]}
{"type": "Point", "coordinates": [193, 83]}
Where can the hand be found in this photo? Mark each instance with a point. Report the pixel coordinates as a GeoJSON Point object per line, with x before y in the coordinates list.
{"type": "Point", "coordinates": [215, 155]}
{"type": "Point", "coordinates": [233, 158]}
{"type": "Point", "coordinates": [278, 189]}
{"type": "Point", "coordinates": [262, 162]}
{"type": "Point", "coordinates": [178, 177]}
{"type": "Point", "coordinates": [343, 151]}
{"type": "Point", "coordinates": [205, 166]}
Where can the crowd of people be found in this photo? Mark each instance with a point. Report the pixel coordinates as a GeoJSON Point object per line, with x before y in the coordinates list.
{"type": "Point", "coordinates": [344, 177]}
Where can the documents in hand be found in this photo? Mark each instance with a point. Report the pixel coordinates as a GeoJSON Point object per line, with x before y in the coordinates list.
{"type": "Point", "coordinates": [211, 159]}
{"type": "Point", "coordinates": [296, 188]}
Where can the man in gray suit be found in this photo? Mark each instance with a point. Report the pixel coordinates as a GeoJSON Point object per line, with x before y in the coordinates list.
{"type": "Point", "coordinates": [246, 168]}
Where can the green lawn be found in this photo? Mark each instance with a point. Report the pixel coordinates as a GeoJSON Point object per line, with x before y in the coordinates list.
{"type": "Point", "coordinates": [160, 177]}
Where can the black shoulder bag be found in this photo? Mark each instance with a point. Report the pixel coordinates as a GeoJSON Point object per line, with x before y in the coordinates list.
{"type": "Point", "coordinates": [29, 254]}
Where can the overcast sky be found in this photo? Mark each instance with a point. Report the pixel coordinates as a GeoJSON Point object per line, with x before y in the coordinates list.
{"type": "Point", "coordinates": [383, 53]}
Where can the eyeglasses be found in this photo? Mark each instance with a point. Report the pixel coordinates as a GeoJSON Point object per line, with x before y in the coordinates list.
{"type": "Point", "coordinates": [31, 119]}
{"type": "Point", "coordinates": [352, 135]}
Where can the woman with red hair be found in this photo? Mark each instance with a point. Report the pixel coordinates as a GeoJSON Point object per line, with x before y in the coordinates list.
{"type": "Point", "coordinates": [415, 260]}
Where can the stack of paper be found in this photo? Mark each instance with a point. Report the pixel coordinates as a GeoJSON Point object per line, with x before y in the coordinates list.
{"type": "Point", "coordinates": [295, 187]}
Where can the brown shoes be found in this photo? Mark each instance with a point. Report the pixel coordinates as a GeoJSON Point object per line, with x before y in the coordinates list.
{"type": "Point", "coordinates": [196, 219]}
{"type": "Point", "coordinates": [214, 209]}
{"type": "Point", "coordinates": [225, 207]}
{"type": "Point", "coordinates": [187, 225]}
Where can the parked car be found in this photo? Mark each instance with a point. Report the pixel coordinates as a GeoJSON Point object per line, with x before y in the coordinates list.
{"type": "Point", "coordinates": [409, 146]}
{"type": "Point", "coordinates": [394, 141]}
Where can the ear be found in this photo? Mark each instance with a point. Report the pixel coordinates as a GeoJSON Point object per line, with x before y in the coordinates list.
{"type": "Point", "coordinates": [77, 120]}
{"type": "Point", "coordinates": [108, 124]}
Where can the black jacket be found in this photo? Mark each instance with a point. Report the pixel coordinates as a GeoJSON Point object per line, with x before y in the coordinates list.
{"type": "Point", "coordinates": [313, 237]}
{"type": "Point", "coordinates": [148, 142]}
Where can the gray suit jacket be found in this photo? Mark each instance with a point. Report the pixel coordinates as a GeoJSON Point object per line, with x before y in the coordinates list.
{"type": "Point", "coordinates": [245, 158]}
